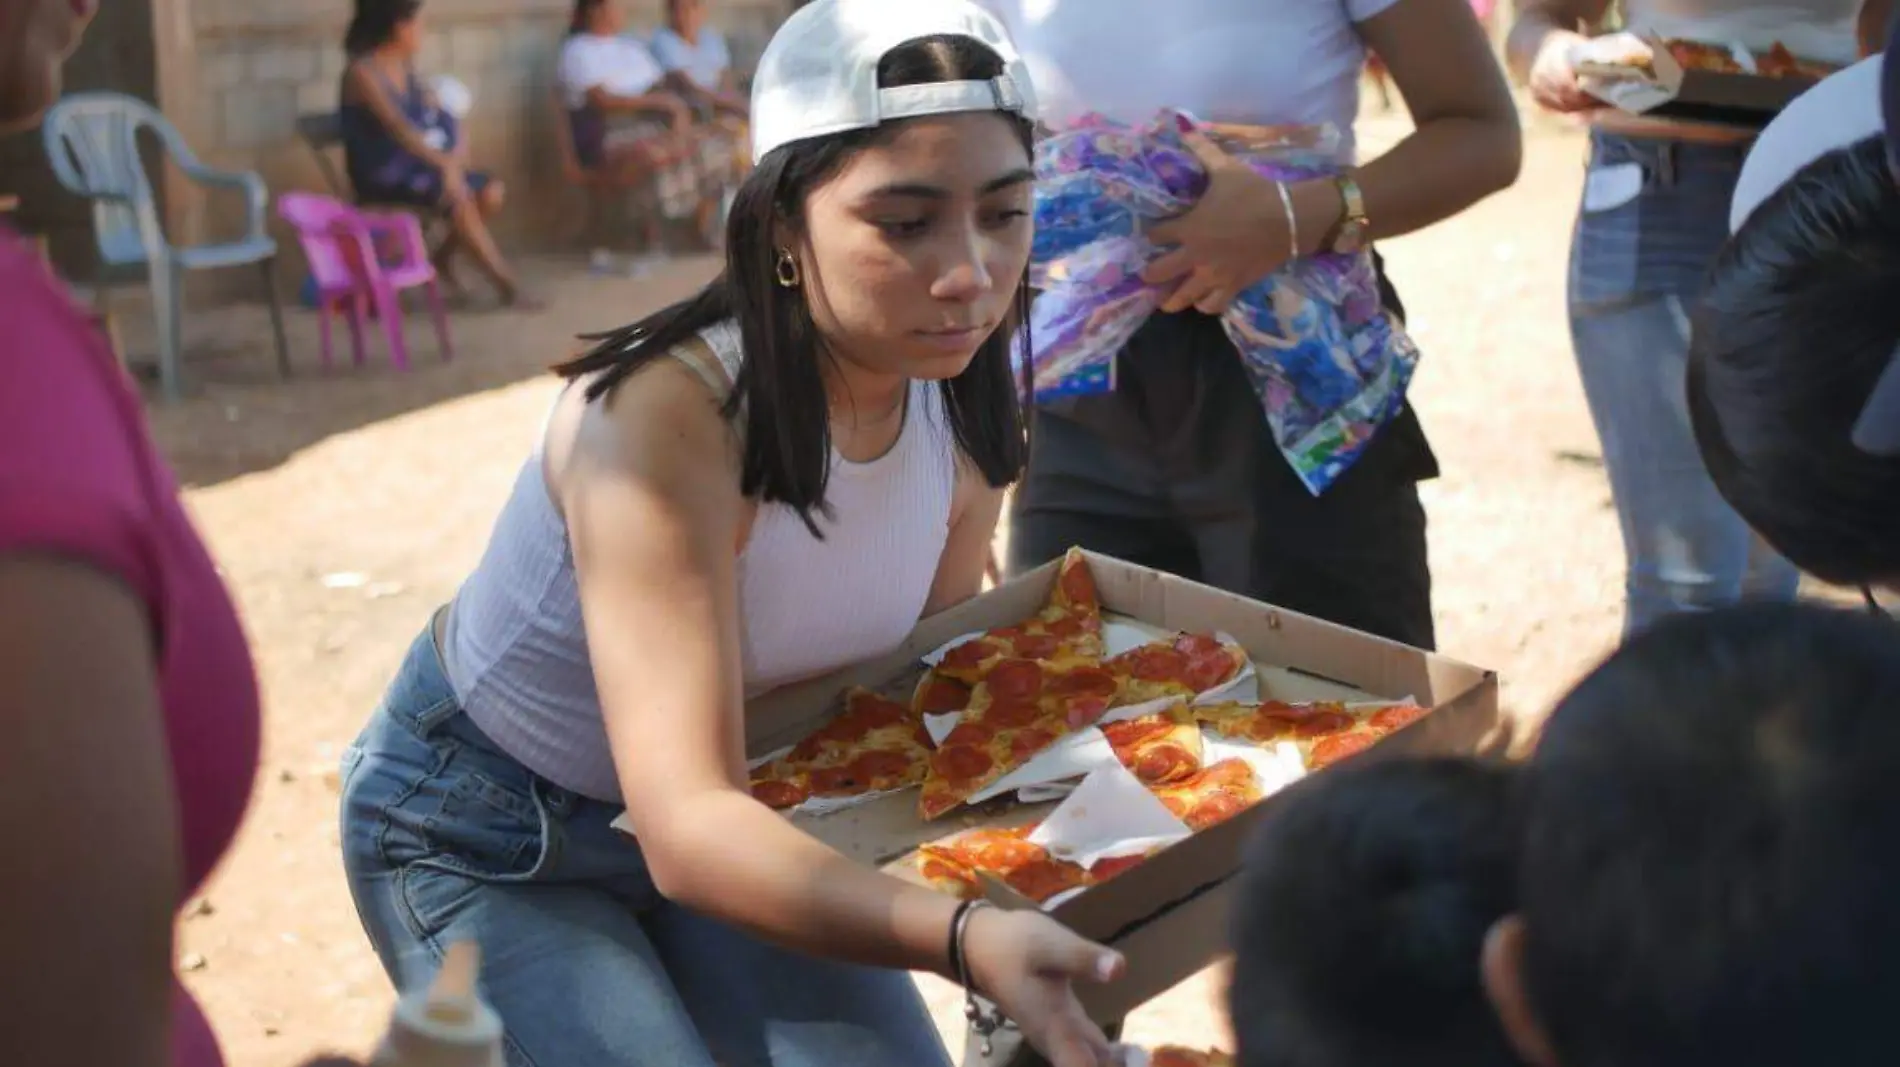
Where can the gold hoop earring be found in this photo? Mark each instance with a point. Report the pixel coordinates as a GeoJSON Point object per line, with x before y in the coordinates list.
{"type": "Point", "coordinates": [786, 270]}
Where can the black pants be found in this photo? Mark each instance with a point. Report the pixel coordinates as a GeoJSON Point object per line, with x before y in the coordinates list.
{"type": "Point", "coordinates": [1178, 470]}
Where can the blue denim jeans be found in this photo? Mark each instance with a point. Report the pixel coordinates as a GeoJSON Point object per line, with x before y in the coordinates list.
{"type": "Point", "coordinates": [1639, 256]}
{"type": "Point", "coordinates": [447, 838]}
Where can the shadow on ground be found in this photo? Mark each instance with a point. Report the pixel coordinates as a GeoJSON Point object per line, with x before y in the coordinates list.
{"type": "Point", "coordinates": [238, 417]}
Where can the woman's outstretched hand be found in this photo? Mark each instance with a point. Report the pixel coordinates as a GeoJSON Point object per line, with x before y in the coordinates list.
{"type": "Point", "coordinates": [1029, 964]}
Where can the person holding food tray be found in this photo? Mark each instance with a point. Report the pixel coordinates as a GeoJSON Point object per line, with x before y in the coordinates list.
{"type": "Point", "coordinates": [1210, 459]}
{"type": "Point", "coordinates": [768, 481]}
{"type": "Point", "coordinates": [1655, 211]}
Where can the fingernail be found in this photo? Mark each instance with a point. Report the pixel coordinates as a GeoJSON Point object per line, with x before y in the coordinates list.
{"type": "Point", "coordinates": [1105, 968]}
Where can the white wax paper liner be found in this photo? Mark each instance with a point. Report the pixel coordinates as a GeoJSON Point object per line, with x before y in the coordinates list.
{"type": "Point", "coordinates": [1110, 814]}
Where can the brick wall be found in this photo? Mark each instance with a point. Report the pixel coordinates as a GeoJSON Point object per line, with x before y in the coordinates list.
{"type": "Point", "coordinates": [260, 64]}
{"type": "Point", "coordinates": [233, 75]}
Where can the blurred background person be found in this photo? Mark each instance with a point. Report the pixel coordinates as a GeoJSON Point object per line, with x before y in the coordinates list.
{"type": "Point", "coordinates": [627, 116]}
{"type": "Point", "coordinates": [1654, 213]}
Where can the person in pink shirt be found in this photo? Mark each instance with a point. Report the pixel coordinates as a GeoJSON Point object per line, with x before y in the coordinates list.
{"type": "Point", "coordinates": [126, 692]}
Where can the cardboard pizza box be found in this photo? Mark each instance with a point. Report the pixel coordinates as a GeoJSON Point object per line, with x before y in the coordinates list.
{"type": "Point", "coordinates": [1666, 90]}
{"type": "Point", "coordinates": [1169, 913]}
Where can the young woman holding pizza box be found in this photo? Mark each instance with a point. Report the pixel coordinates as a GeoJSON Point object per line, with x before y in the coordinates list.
{"type": "Point", "coordinates": [771, 480]}
{"type": "Point", "coordinates": [1655, 211]}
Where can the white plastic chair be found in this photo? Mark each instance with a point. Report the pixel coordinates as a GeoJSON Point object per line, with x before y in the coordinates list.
{"type": "Point", "coordinates": [92, 143]}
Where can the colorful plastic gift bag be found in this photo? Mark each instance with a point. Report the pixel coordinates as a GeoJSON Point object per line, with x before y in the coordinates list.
{"type": "Point", "coordinates": [1329, 364]}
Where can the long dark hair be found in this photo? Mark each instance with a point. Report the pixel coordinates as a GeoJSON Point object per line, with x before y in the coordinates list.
{"type": "Point", "coordinates": [779, 392]}
{"type": "Point", "coordinates": [1797, 323]}
{"type": "Point", "coordinates": [375, 22]}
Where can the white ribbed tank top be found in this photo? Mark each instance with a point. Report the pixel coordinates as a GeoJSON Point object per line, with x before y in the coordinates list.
{"type": "Point", "coordinates": [516, 651]}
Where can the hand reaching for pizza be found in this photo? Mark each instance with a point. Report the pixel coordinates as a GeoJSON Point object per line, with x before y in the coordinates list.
{"type": "Point", "coordinates": [1028, 964]}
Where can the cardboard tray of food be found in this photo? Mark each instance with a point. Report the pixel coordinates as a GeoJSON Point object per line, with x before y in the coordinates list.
{"type": "Point", "coordinates": [1692, 81]}
{"type": "Point", "coordinates": [1168, 911]}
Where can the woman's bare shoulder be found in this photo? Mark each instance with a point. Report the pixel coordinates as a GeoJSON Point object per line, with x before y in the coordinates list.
{"type": "Point", "coordinates": [666, 419]}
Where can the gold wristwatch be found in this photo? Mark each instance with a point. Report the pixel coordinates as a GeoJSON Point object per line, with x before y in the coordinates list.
{"type": "Point", "coordinates": [1349, 235]}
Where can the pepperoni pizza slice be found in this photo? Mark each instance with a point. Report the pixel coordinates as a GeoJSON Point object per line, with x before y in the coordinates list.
{"type": "Point", "coordinates": [1366, 731]}
{"type": "Point", "coordinates": [1160, 748]}
{"type": "Point", "coordinates": [1273, 721]}
{"type": "Point", "coordinates": [951, 866]}
{"type": "Point", "coordinates": [1325, 732]}
{"type": "Point", "coordinates": [876, 745]}
{"type": "Point", "coordinates": [1066, 632]}
{"type": "Point", "coordinates": [1212, 795]}
{"type": "Point", "coordinates": [1177, 1056]}
{"type": "Point", "coordinates": [1701, 55]}
{"type": "Point", "coordinates": [1019, 709]}
{"type": "Point", "coordinates": [1184, 666]}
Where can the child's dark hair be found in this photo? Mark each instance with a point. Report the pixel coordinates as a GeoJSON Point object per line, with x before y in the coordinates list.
{"type": "Point", "coordinates": [779, 397]}
{"type": "Point", "coordinates": [1362, 913]}
{"type": "Point", "coordinates": [1710, 861]}
{"type": "Point", "coordinates": [1798, 321]}
{"type": "Point", "coordinates": [374, 23]}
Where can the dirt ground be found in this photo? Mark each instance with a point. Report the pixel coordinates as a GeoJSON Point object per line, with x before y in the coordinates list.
{"type": "Point", "coordinates": [344, 507]}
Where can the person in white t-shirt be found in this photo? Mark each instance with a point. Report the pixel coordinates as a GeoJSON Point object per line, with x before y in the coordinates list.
{"type": "Point", "coordinates": [625, 117]}
{"type": "Point", "coordinates": [1178, 468]}
{"type": "Point", "coordinates": [696, 59]}
{"type": "Point", "coordinates": [698, 66]}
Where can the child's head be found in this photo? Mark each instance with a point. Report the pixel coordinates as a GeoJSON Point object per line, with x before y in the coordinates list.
{"type": "Point", "coordinates": [1363, 907]}
{"type": "Point", "coordinates": [1711, 857]}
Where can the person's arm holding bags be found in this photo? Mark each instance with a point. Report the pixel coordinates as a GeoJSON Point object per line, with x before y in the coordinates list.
{"type": "Point", "coordinates": [1466, 146]}
{"type": "Point", "coordinates": [651, 499]}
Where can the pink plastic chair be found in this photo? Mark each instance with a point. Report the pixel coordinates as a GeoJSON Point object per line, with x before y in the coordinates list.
{"type": "Point", "coordinates": [341, 245]}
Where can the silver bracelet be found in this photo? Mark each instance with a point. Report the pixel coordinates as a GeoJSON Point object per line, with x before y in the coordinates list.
{"type": "Point", "coordinates": [1292, 220]}
{"type": "Point", "coordinates": [985, 1020]}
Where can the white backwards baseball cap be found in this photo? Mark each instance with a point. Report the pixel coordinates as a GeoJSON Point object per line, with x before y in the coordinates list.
{"type": "Point", "coordinates": [818, 75]}
{"type": "Point", "coordinates": [1841, 109]}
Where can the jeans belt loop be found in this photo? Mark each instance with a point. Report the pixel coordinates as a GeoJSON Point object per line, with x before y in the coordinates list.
{"type": "Point", "coordinates": [1666, 163]}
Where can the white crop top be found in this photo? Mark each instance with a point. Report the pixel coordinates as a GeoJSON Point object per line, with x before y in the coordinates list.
{"type": "Point", "coordinates": [515, 648]}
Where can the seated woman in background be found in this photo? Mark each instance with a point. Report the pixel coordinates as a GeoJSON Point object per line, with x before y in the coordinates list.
{"type": "Point", "coordinates": [624, 117]}
{"type": "Point", "coordinates": [697, 62]}
{"type": "Point", "coordinates": [402, 147]}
